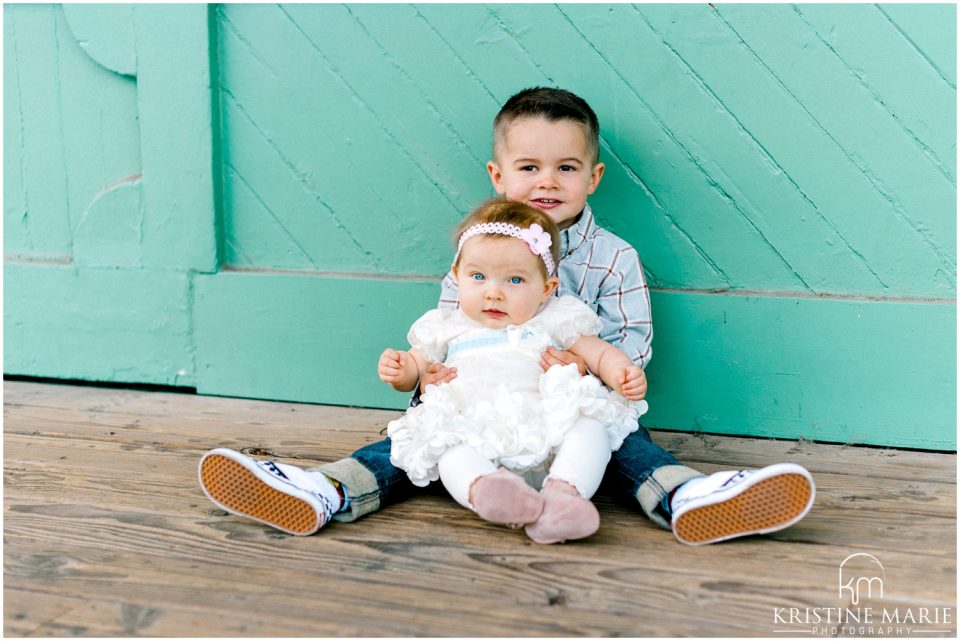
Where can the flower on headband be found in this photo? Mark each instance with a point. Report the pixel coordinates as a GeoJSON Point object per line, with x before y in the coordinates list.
{"type": "Point", "coordinates": [538, 239]}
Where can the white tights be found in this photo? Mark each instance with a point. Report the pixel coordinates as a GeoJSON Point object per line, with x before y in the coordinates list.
{"type": "Point", "coordinates": [580, 460]}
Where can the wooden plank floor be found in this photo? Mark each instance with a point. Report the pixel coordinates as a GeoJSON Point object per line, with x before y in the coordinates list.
{"type": "Point", "coordinates": [106, 533]}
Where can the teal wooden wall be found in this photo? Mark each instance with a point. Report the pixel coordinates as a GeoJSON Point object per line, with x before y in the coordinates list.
{"type": "Point", "coordinates": [254, 200]}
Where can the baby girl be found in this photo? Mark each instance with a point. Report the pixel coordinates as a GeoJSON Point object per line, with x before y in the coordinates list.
{"type": "Point", "coordinates": [504, 428]}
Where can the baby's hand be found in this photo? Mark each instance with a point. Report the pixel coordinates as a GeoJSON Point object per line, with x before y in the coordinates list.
{"type": "Point", "coordinates": [437, 374]}
{"type": "Point", "coordinates": [553, 356]}
{"type": "Point", "coordinates": [392, 366]}
{"type": "Point", "coordinates": [633, 383]}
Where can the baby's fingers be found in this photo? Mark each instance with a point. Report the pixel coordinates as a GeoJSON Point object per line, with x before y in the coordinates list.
{"type": "Point", "coordinates": [390, 355]}
{"type": "Point", "coordinates": [549, 358]}
{"type": "Point", "coordinates": [389, 367]}
{"type": "Point", "coordinates": [449, 373]}
{"type": "Point", "coordinates": [634, 389]}
{"type": "Point", "coordinates": [390, 358]}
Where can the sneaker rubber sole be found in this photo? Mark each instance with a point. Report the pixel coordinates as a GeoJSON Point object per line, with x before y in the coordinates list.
{"type": "Point", "coordinates": [765, 506]}
{"type": "Point", "coordinates": [227, 480]}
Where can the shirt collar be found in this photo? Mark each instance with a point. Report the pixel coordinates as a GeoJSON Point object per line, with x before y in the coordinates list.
{"type": "Point", "coordinates": [575, 235]}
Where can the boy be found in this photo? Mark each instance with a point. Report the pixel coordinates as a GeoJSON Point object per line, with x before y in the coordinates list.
{"type": "Point", "coordinates": [546, 154]}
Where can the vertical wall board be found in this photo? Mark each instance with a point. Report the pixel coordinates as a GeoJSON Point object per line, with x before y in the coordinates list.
{"type": "Point", "coordinates": [72, 135]}
{"type": "Point", "coordinates": [36, 208]}
{"type": "Point", "coordinates": [174, 100]}
{"type": "Point", "coordinates": [16, 237]}
{"type": "Point", "coordinates": [109, 232]}
{"type": "Point", "coordinates": [105, 33]}
{"type": "Point", "coordinates": [303, 337]}
{"type": "Point", "coordinates": [101, 135]}
{"type": "Point", "coordinates": [848, 371]}
{"type": "Point", "coordinates": [97, 324]}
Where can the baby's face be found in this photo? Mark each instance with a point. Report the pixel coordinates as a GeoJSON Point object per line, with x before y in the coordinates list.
{"type": "Point", "coordinates": [500, 281]}
{"type": "Point", "coordinates": [547, 165]}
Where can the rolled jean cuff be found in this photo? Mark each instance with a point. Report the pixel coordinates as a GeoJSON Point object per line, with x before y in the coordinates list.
{"type": "Point", "coordinates": [658, 486]}
{"type": "Point", "coordinates": [361, 487]}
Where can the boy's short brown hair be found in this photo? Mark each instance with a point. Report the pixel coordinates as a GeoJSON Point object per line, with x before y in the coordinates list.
{"type": "Point", "coordinates": [552, 104]}
{"type": "Point", "coordinates": [501, 210]}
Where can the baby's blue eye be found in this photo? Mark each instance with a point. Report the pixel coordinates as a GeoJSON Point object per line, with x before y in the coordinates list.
{"type": "Point", "coordinates": [516, 280]}
{"type": "Point", "coordinates": [477, 277]}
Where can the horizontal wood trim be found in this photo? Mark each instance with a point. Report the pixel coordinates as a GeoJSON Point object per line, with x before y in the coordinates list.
{"type": "Point", "coordinates": [825, 370]}
{"type": "Point", "coordinates": [125, 325]}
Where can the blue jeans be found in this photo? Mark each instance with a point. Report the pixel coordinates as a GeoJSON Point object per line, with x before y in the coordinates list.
{"type": "Point", "coordinates": [640, 471]}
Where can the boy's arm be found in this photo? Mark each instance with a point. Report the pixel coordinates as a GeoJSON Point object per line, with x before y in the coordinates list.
{"type": "Point", "coordinates": [623, 305]}
{"type": "Point", "coordinates": [624, 308]}
{"type": "Point", "coordinates": [612, 366]}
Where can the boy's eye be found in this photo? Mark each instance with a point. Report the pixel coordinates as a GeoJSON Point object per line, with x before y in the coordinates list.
{"type": "Point", "coordinates": [477, 276]}
{"type": "Point", "coordinates": [567, 168]}
{"type": "Point", "coordinates": [516, 280]}
{"type": "Point", "coordinates": [528, 168]}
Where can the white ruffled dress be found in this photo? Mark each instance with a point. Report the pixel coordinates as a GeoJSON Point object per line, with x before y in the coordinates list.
{"type": "Point", "coordinates": [502, 403]}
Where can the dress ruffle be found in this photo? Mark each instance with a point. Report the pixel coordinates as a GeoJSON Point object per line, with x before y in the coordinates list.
{"type": "Point", "coordinates": [508, 430]}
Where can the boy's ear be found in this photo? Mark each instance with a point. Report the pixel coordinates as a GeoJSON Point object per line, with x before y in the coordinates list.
{"type": "Point", "coordinates": [453, 270]}
{"type": "Point", "coordinates": [496, 177]}
{"type": "Point", "coordinates": [595, 177]}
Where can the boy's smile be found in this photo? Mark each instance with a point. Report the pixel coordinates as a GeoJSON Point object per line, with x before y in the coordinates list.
{"type": "Point", "coordinates": [548, 165]}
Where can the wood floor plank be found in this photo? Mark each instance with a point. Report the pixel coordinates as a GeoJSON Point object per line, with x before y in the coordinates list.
{"type": "Point", "coordinates": [299, 431]}
{"type": "Point", "coordinates": [108, 534]}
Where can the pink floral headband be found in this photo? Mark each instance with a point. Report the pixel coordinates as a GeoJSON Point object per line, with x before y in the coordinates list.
{"type": "Point", "coordinates": [538, 239]}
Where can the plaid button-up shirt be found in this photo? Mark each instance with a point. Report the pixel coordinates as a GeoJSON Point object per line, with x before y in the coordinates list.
{"type": "Point", "coordinates": [604, 272]}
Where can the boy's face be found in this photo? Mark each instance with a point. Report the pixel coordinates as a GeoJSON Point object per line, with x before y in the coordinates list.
{"type": "Point", "coordinates": [499, 281]}
{"type": "Point", "coordinates": [547, 165]}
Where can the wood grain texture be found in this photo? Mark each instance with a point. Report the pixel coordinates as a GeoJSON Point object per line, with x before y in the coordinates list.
{"type": "Point", "coordinates": [108, 534]}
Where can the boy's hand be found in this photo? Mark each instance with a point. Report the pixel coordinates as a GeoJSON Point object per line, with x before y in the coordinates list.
{"type": "Point", "coordinates": [553, 356]}
{"type": "Point", "coordinates": [392, 366]}
{"type": "Point", "coordinates": [633, 383]}
{"type": "Point", "coordinates": [437, 374]}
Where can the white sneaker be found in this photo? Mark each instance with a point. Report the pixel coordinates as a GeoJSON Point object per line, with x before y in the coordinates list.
{"type": "Point", "coordinates": [729, 504]}
{"type": "Point", "coordinates": [282, 496]}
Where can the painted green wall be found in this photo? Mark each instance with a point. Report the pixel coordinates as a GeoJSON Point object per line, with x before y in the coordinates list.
{"type": "Point", "coordinates": [254, 200]}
